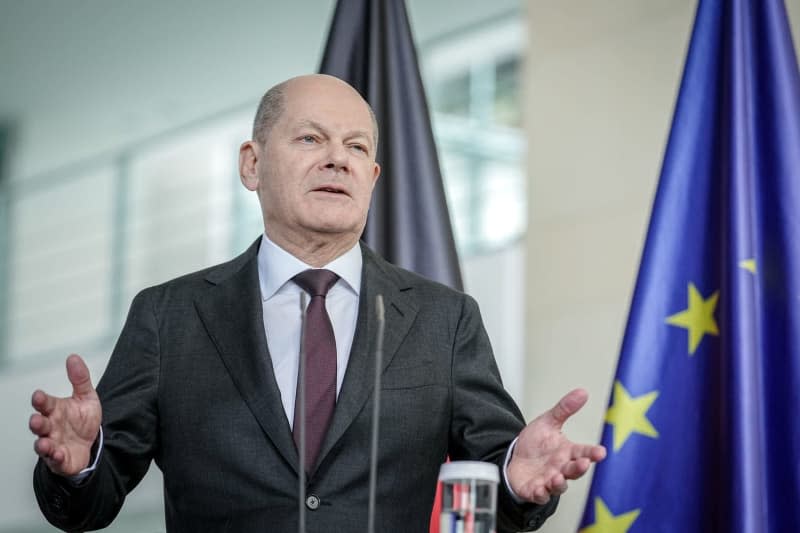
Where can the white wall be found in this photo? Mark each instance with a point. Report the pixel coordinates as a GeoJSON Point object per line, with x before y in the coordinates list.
{"type": "Point", "coordinates": [496, 281]}
{"type": "Point", "coordinates": [602, 81]}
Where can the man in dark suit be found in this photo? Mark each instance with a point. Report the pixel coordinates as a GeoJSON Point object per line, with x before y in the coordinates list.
{"type": "Point", "coordinates": [203, 377]}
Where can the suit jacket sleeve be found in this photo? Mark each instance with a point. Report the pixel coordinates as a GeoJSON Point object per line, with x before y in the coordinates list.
{"type": "Point", "coordinates": [485, 418]}
{"type": "Point", "coordinates": [128, 394]}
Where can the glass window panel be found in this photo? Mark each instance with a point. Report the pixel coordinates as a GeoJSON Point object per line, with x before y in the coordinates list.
{"type": "Point", "coordinates": [181, 200]}
{"type": "Point", "coordinates": [504, 207]}
{"type": "Point", "coordinates": [452, 95]}
{"type": "Point", "coordinates": [455, 172]}
{"type": "Point", "coordinates": [477, 124]}
{"type": "Point", "coordinates": [507, 111]}
{"type": "Point", "coordinates": [59, 264]}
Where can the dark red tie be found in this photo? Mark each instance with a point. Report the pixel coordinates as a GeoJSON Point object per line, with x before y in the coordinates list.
{"type": "Point", "coordinates": [319, 348]}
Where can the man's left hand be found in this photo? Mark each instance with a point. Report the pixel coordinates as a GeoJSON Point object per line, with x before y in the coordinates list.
{"type": "Point", "coordinates": [544, 459]}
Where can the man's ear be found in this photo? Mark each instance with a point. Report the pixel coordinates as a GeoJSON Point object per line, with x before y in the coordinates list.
{"type": "Point", "coordinates": [249, 153]}
{"type": "Point", "coordinates": [375, 173]}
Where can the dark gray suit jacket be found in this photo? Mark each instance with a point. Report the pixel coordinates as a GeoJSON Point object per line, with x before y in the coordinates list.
{"type": "Point", "coordinates": [190, 385]}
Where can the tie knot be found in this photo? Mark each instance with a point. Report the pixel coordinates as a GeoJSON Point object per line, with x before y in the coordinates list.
{"type": "Point", "coordinates": [316, 282]}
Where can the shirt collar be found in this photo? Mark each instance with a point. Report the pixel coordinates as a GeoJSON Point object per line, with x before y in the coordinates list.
{"type": "Point", "coordinates": [276, 266]}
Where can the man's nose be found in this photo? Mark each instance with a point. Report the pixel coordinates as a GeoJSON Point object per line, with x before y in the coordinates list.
{"type": "Point", "coordinates": [338, 159]}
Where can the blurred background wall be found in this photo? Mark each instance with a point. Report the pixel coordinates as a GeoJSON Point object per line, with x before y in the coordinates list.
{"type": "Point", "coordinates": [119, 129]}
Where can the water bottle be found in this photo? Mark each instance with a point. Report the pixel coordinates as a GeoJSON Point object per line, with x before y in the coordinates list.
{"type": "Point", "coordinates": [469, 497]}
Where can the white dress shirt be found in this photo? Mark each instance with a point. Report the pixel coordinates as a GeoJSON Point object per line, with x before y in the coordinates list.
{"type": "Point", "coordinates": [280, 301]}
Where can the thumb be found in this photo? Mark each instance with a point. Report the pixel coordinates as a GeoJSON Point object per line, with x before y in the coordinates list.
{"type": "Point", "coordinates": [567, 406]}
{"type": "Point", "coordinates": [78, 374]}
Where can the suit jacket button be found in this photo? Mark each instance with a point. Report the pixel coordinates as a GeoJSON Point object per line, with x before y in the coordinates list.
{"type": "Point", "coordinates": [57, 502]}
{"type": "Point", "coordinates": [312, 502]}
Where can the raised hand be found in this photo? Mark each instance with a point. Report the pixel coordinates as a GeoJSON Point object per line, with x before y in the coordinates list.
{"type": "Point", "coordinates": [544, 458]}
{"type": "Point", "coordinates": [67, 427]}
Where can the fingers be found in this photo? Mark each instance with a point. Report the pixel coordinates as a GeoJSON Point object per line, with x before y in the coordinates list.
{"type": "Point", "coordinates": [568, 406]}
{"type": "Point", "coordinates": [582, 458]}
{"type": "Point", "coordinates": [597, 454]}
{"type": "Point", "coordinates": [540, 496]}
{"type": "Point", "coordinates": [47, 449]}
{"type": "Point", "coordinates": [43, 402]}
{"type": "Point", "coordinates": [54, 457]}
{"type": "Point", "coordinates": [43, 447]}
{"type": "Point", "coordinates": [593, 452]}
{"type": "Point", "coordinates": [40, 425]}
{"type": "Point", "coordinates": [542, 493]}
{"type": "Point", "coordinates": [575, 469]}
{"type": "Point", "coordinates": [557, 485]}
{"type": "Point", "coordinates": [583, 455]}
{"type": "Point", "coordinates": [78, 374]}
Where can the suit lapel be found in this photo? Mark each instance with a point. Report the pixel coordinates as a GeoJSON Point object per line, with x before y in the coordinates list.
{"type": "Point", "coordinates": [359, 378]}
{"type": "Point", "coordinates": [232, 314]}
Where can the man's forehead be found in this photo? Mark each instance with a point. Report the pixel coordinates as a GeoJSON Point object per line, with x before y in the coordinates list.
{"type": "Point", "coordinates": [327, 101]}
{"type": "Point", "coordinates": [328, 111]}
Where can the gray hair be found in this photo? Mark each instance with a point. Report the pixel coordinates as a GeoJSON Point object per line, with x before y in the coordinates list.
{"type": "Point", "coordinates": [272, 106]}
{"type": "Point", "coordinates": [270, 109]}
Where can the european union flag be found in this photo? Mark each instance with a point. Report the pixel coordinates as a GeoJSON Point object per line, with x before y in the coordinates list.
{"type": "Point", "coordinates": [703, 425]}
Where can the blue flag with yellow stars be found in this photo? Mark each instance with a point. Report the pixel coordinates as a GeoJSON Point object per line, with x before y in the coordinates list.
{"type": "Point", "coordinates": [703, 424]}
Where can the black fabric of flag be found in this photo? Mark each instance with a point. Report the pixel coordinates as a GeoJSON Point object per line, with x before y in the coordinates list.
{"type": "Point", "coordinates": [370, 46]}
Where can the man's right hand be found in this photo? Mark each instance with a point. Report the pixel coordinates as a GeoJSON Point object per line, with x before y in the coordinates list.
{"type": "Point", "coordinates": [67, 427]}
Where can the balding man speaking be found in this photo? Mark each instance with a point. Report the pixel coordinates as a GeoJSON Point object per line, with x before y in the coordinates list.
{"type": "Point", "coordinates": [204, 378]}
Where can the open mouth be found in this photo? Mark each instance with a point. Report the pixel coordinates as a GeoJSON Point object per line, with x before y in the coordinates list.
{"type": "Point", "coordinates": [331, 189]}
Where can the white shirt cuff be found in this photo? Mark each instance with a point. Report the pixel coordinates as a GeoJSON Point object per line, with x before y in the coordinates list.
{"type": "Point", "coordinates": [510, 451]}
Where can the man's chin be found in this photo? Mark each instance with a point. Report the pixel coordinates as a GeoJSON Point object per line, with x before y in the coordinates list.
{"type": "Point", "coordinates": [335, 226]}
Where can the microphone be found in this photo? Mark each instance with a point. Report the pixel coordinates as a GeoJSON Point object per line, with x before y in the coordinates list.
{"type": "Point", "coordinates": [376, 402]}
{"type": "Point", "coordinates": [301, 377]}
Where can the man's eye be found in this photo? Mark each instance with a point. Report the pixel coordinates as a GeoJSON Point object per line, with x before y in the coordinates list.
{"type": "Point", "coordinates": [360, 147]}
{"type": "Point", "coordinates": [308, 139]}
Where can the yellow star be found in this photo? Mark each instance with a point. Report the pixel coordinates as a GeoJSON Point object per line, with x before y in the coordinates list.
{"type": "Point", "coordinates": [749, 265]}
{"type": "Point", "coordinates": [605, 522]}
{"type": "Point", "coordinates": [628, 415]}
{"type": "Point", "coordinates": [698, 318]}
